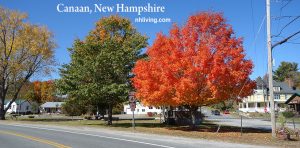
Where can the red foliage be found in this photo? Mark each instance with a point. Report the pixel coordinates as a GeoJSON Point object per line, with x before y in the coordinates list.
{"type": "Point", "coordinates": [198, 64]}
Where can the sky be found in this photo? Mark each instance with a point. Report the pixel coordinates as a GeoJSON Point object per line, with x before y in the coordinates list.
{"type": "Point", "coordinates": [247, 18]}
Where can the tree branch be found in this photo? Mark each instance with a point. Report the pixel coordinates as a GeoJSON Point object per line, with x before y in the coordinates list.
{"type": "Point", "coordinates": [285, 40]}
{"type": "Point", "coordinates": [286, 26]}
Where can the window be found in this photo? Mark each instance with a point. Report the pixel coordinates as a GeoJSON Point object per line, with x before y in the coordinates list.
{"type": "Point", "coordinates": [261, 104]}
{"type": "Point", "coordinates": [143, 110]}
{"type": "Point", "coordinates": [276, 97]}
{"type": "Point", "coordinates": [250, 105]}
{"type": "Point", "coordinates": [138, 110]}
{"type": "Point", "coordinates": [27, 107]}
{"type": "Point", "coordinates": [276, 88]}
{"type": "Point", "coordinates": [150, 107]}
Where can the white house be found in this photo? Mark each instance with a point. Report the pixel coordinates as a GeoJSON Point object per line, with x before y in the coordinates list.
{"type": "Point", "coordinates": [259, 100]}
{"type": "Point", "coordinates": [52, 107]}
{"type": "Point", "coordinates": [141, 109]}
{"type": "Point", "coordinates": [21, 106]}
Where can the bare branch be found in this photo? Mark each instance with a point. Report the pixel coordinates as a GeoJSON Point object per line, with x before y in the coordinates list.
{"type": "Point", "coordinates": [286, 26]}
{"type": "Point", "coordinates": [285, 40]}
{"type": "Point", "coordinates": [285, 5]}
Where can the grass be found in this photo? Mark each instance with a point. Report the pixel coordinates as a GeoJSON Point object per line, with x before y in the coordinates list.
{"type": "Point", "coordinates": [207, 130]}
{"type": "Point", "coordinates": [296, 120]}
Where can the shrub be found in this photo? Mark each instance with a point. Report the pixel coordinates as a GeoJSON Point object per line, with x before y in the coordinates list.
{"type": "Point", "coordinates": [282, 120]}
{"type": "Point", "coordinates": [87, 117]}
{"type": "Point", "coordinates": [28, 112]}
{"type": "Point", "coordinates": [288, 114]}
{"type": "Point", "coordinates": [31, 116]}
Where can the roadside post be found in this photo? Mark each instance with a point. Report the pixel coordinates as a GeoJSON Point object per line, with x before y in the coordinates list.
{"type": "Point", "coordinates": [294, 123]}
{"type": "Point", "coordinates": [132, 103]}
{"type": "Point", "coordinates": [241, 125]}
{"type": "Point", "coordinates": [240, 113]}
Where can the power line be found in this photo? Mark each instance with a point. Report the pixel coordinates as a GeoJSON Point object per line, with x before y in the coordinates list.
{"type": "Point", "coordinates": [293, 42]}
{"type": "Point", "coordinates": [261, 24]}
{"type": "Point", "coordinates": [254, 34]}
{"type": "Point", "coordinates": [285, 26]}
{"type": "Point", "coordinates": [283, 17]}
{"type": "Point", "coordinates": [252, 18]}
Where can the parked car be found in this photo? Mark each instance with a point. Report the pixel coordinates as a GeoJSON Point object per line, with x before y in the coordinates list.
{"type": "Point", "coordinates": [215, 112]}
{"type": "Point", "coordinates": [226, 112]}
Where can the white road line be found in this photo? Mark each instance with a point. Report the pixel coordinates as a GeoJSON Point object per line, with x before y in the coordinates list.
{"type": "Point", "coordinates": [79, 133]}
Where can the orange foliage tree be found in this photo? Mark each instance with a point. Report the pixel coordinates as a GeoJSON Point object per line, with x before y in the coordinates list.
{"type": "Point", "coordinates": [200, 63]}
{"type": "Point", "coordinates": [42, 91]}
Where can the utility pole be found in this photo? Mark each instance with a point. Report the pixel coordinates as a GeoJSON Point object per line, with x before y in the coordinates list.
{"type": "Point", "coordinates": [270, 71]}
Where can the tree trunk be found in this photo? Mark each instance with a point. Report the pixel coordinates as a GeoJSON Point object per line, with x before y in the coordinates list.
{"type": "Point", "coordinates": [194, 116]}
{"type": "Point", "coordinates": [109, 119]}
{"type": "Point", "coordinates": [2, 114]}
{"type": "Point", "coordinates": [2, 111]}
{"type": "Point", "coordinates": [164, 113]}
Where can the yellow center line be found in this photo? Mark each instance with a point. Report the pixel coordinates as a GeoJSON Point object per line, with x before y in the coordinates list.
{"type": "Point", "coordinates": [57, 145]}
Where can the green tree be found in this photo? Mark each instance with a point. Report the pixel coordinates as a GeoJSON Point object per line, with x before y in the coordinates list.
{"type": "Point", "coordinates": [101, 65]}
{"type": "Point", "coordinates": [74, 107]}
{"type": "Point", "coordinates": [24, 50]}
{"type": "Point", "coordinates": [285, 70]}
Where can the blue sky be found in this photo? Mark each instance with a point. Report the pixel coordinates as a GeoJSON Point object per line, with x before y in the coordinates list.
{"type": "Point", "coordinates": [245, 16]}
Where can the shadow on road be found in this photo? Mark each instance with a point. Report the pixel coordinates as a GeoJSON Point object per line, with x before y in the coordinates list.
{"type": "Point", "coordinates": [204, 127]}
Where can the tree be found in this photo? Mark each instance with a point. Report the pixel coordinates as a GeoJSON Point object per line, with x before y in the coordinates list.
{"type": "Point", "coordinates": [101, 64]}
{"type": "Point", "coordinates": [25, 49]}
{"type": "Point", "coordinates": [74, 107]}
{"type": "Point", "coordinates": [201, 63]}
{"type": "Point", "coordinates": [285, 70]}
{"type": "Point", "coordinates": [295, 78]}
{"type": "Point", "coordinates": [42, 92]}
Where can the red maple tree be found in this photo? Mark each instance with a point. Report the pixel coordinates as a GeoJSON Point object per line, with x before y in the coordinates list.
{"type": "Point", "coordinates": [200, 63]}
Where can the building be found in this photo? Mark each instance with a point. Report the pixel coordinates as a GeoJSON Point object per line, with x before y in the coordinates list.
{"type": "Point", "coordinates": [294, 103]}
{"type": "Point", "coordinates": [141, 109]}
{"type": "Point", "coordinates": [21, 106]}
{"type": "Point", "coordinates": [51, 107]}
{"type": "Point", "coordinates": [259, 100]}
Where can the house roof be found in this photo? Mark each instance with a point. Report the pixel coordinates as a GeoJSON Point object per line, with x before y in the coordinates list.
{"type": "Point", "coordinates": [52, 104]}
{"type": "Point", "coordinates": [17, 101]}
{"type": "Point", "coordinates": [297, 94]}
{"type": "Point", "coordinates": [284, 88]}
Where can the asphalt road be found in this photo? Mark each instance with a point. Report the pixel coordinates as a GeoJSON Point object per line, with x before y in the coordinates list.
{"type": "Point", "coordinates": [227, 119]}
{"type": "Point", "coordinates": [46, 136]}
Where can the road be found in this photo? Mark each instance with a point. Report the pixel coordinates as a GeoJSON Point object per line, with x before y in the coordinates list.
{"type": "Point", "coordinates": [227, 119]}
{"type": "Point", "coordinates": [14, 135]}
